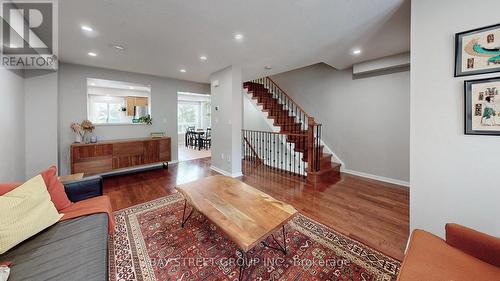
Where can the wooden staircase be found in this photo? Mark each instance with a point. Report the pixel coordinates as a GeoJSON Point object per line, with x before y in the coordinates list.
{"type": "Point", "coordinates": [300, 128]}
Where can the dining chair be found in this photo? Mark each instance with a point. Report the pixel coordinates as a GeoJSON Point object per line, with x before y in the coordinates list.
{"type": "Point", "coordinates": [207, 140]}
{"type": "Point", "coordinates": [191, 139]}
{"type": "Point", "coordinates": [186, 135]}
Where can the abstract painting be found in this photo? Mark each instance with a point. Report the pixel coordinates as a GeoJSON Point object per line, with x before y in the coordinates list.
{"type": "Point", "coordinates": [482, 107]}
{"type": "Point", "coordinates": [477, 51]}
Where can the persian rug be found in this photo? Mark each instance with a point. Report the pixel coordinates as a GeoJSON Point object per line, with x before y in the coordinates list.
{"type": "Point", "coordinates": [149, 244]}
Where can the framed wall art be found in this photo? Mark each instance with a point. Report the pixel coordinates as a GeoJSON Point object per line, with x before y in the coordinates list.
{"type": "Point", "coordinates": [477, 51]}
{"type": "Point", "coordinates": [482, 107]}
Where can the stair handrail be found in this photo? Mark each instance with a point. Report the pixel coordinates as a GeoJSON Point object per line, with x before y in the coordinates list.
{"type": "Point", "coordinates": [291, 99]}
{"type": "Point", "coordinates": [308, 124]}
{"type": "Point", "coordinates": [277, 133]}
{"type": "Point", "coordinates": [286, 100]}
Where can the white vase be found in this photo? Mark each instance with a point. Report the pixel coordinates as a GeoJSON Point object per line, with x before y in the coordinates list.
{"type": "Point", "coordinates": [86, 137]}
{"type": "Point", "coordinates": [78, 138]}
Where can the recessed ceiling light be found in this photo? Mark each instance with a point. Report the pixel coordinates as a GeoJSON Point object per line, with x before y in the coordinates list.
{"type": "Point", "coordinates": [87, 28]}
{"type": "Point", "coordinates": [130, 87]}
{"type": "Point", "coordinates": [203, 58]}
{"type": "Point", "coordinates": [238, 36]}
{"type": "Point", "coordinates": [268, 67]}
{"type": "Point", "coordinates": [356, 52]}
{"type": "Point", "coordinates": [118, 47]}
{"type": "Point", "coordinates": [183, 70]}
{"type": "Point", "coordinates": [92, 84]}
{"type": "Point", "coordinates": [92, 54]}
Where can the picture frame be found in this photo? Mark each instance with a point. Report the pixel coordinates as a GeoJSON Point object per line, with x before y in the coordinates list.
{"type": "Point", "coordinates": [482, 106]}
{"type": "Point", "coordinates": [477, 51]}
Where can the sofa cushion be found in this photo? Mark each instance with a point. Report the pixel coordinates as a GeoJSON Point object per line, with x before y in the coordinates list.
{"type": "Point", "coordinates": [94, 205]}
{"type": "Point", "coordinates": [430, 258]}
{"type": "Point", "coordinates": [55, 188]}
{"type": "Point", "coordinates": [6, 187]}
{"type": "Point", "coordinates": [75, 249]}
{"type": "Point", "coordinates": [480, 245]}
{"type": "Point", "coordinates": [25, 211]}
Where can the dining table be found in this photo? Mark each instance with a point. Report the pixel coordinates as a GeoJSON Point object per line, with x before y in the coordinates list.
{"type": "Point", "coordinates": [199, 137]}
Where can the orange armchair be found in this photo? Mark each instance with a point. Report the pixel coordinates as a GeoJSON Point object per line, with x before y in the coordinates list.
{"type": "Point", "coordinates": [465, 255]}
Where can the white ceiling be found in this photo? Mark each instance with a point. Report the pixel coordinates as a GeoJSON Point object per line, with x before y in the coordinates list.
{"type": "Point", "coordinates": [110, 84]}
{"type": "Point", "coordinates": [163, 36]}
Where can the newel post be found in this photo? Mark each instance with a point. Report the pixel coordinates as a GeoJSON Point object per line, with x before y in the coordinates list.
{"type": "Point", "coordinates": [310, 144]}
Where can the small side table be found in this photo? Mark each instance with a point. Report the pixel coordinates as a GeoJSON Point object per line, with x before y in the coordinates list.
{"type": "Point", "coordinates": [72, 177]}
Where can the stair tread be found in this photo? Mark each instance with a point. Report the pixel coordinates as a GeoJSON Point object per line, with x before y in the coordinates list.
{"type": "Point", "coordinates": [333, 166]}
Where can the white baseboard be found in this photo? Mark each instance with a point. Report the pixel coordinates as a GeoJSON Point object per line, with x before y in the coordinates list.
{"type": "Point", "coordinates": [375, 177]}
{"type": "Point", "coordinates": [136, 168]}
{"type": "Point", "coordinates": [226, 173]}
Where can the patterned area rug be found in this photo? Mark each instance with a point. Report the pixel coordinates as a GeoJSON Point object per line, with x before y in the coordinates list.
{"type": "Point", "coordinates": [149, 244]}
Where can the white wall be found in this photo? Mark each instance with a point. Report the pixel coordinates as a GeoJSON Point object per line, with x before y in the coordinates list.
{"type": "Point", "coordinates": [12, 166]}
{"type": "Point", "coordinates": [41, 126]}
{"type": "Point", "coordinates": [253, 117]}
{"type": "Point", "coordinates": [454, 177]}
{"type": "Point", "coordinates": [73, 105]}
{"type": "Point", "coordinates": [365, 120]}
{"type": "Point", "coordinates": [227, 120]}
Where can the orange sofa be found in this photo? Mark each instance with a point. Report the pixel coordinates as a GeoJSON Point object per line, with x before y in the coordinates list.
{"type": "Point", "coordinates": [465, 255]}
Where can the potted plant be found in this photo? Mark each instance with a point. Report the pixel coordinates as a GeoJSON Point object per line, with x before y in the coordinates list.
{"type": "Point", "coordinates": [77, 129]}
{"type": "Point", "coordinates": [146, 119]}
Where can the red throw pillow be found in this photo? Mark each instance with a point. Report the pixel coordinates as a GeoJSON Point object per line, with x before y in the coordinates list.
{"type": "Point", "coordinates": [6, 187]}
{"type": "Point", "coordinates": [55, 188]}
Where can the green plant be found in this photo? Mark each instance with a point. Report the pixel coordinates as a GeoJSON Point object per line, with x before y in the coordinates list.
{"type": "Point", "coordinates": [146, 119]}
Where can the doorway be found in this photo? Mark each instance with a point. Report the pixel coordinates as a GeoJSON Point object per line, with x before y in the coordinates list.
{"type": "Point", "coordinates": [193, 126]}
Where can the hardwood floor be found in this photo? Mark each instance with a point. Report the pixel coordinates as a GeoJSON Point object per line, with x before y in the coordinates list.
{"type": "Point", "coordinates": [187, 153]}
{"type": "Point", "coordinates": [372, 212]}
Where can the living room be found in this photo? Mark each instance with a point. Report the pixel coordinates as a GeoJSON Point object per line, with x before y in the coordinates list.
{"type": "Point", "coordinates": [329, 141]}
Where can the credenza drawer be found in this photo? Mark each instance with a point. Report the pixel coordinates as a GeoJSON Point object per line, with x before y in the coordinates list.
{"type": "Point", "coordinates": [94, 166]}
{"type": "Point", "coordinates": [165, 150]}
{"type": "Point", "coordinates": [91, 151]}
{"type": "Point", "coordinates": [128, 148]}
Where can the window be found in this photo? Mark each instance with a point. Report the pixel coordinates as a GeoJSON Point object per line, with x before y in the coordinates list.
{"type": "Point", "coordinates": [188, 113]}
{"type": "Point", "coordinates": [114, 102]}
{"type": "Point", "coordinates": [193, 110]}
{"type": "Point", "coordinates": [107, 109]}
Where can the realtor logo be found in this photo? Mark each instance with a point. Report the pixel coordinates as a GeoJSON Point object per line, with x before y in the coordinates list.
{"type": "Point", "coordinates": [29, 34]}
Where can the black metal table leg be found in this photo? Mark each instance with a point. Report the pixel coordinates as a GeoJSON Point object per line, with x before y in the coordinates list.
{"type": "Point", "coordinates": [184, 213]}
{"type": "Point", "coordinates": [280, 247]}
{"type": "Point", "coordinates": [243, 264]}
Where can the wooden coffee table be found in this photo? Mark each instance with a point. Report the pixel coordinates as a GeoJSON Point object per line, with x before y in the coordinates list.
{"type": "Point", "coordinates": [72, 177]}
{"type": "Point", "coordinates": [246, 215]}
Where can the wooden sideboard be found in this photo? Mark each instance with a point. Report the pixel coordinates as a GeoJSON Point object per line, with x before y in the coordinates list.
{"type": "Point", "coordinates": [105, 156]}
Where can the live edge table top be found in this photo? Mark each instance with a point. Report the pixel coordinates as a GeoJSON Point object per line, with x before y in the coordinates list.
{"type": "Point", "coordinates": [245, 214]}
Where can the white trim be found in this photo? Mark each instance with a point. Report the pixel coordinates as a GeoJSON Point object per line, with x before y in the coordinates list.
{"type": "Point", "coordinates": [375, 177]}
{"type": "Point", "coordinates": [225, 173]}
{"type": "Point", "coordinates": [335, 158]}
{"type": "Point", "coordinates": [261, 110]}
